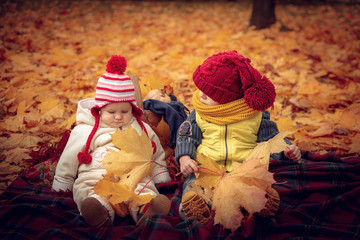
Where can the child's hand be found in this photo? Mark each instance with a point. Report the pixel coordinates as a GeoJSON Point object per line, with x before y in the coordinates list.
{"type": "Point", "coordinates": [187, 165]}
{"type": "Point", "coordinates": [293, 152]}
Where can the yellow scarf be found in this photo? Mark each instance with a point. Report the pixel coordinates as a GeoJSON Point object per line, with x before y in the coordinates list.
{"type": "Point", "coordinates": [224, 113]}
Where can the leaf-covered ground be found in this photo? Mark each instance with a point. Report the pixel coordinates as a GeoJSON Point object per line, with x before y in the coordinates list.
{"type": "Point", "coordinates": [52, 54]}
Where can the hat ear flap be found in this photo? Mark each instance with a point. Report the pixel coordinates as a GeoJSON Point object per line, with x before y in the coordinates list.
{"type": "Point", "coordinates": [84, 157]}
{"type": "Point", "coordinates": [260, 95]}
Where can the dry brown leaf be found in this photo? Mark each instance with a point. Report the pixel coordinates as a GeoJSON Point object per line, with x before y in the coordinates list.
{"type": "Point", "coordinates": [19, 140]}
{"type": "Point", "coordinates": [355, 144]}
{"type": "Point", "coordinates": [325, 130]}
{"type": "Point", "coordinates": [7, 170]}
{"type": "Point", "coordinates": [13, 124]}
{"type": "Point", "coordinates": [204, 193]}
{"type": "Point", "coordinates": [348, 119]}
{"type": "Point", "coordinates": [16, 155]}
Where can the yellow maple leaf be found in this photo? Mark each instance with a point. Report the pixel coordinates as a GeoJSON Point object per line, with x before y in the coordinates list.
{"type": "Point", "coordinates": [245, 187]}
{"type": "Point", "coordinates": [125, 167]}
{"type": "Point", "coordinates": [209, 173]}
{"type": "Point", "coordinates": [264, 149]}
{"type": "Point", "coordinates": [132, 161]}
{"type": "Point", "coordinates": [118, 194]}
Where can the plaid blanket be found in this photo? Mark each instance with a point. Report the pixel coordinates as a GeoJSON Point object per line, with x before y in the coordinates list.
{"type": "Point", "coordinates": [320, 199]}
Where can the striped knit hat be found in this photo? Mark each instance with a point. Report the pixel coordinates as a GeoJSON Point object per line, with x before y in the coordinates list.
{"type": "Point", "coordinates": [113, 86]}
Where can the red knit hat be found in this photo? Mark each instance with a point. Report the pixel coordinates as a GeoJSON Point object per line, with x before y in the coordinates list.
{"type": "Point", "coordinates": [228, 76]}
{"type": "Point", "coordinates": [112, 87]}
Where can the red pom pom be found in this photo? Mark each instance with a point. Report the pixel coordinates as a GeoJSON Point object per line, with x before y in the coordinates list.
{"type": "Point", "coordinates": [260, 95]}
{"type": "Point", "coordinates": [116, 64]}
{"type": "Point", "coordinates": [84, 157]}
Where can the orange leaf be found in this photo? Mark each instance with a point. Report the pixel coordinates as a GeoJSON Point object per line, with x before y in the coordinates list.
{"type": "Point", "coordinates": [324, 130]}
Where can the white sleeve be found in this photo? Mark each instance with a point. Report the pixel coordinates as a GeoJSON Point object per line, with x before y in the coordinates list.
{"type": "Point", "coordinates": [67, 167]}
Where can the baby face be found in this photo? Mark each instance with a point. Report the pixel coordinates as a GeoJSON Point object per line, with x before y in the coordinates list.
{"type": "Point", "coordinates": [116, 115]}
{"type": "Point", "coordinates": [205, 99]}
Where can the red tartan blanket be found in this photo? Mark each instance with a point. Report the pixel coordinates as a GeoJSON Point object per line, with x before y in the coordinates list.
{"type": "Point", "coordinates": [320, 199]}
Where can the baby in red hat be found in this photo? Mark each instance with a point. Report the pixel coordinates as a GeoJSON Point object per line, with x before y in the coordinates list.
{"type": "Point", "coordinates": [80, 165]}
{"type": "Point", "coordinates": [228, 120]}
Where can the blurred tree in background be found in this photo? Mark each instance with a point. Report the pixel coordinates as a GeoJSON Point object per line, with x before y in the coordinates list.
{"type": "Point", "coordinates": [263, 14]}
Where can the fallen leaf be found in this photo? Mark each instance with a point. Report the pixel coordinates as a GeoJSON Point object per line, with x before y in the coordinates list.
{"type": "Point", "coordinates": [208, 178]}
{"type": "Point", "coordinates": [132, 161]}
{"type": "Point", "coordinates": [118, 193]}
{"type": "Point", "coordinates": [246, 185]}
{"type": "Point", "coordinates": [325, 130]}
{"type": "Point", "coordinates": [264, 149]}
{"type": "Point", "coordinates": [355, 145]}
{"type": "Point", "coordinates": [16, 155]}
{"type": "Point", "coordinates": [19, 140]}
{"type": "Point", "coordinates": [285, 125]}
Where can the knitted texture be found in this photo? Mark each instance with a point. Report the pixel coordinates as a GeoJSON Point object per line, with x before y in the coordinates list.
{"type": "Point", "coordinates": [112, 87]}
{"type": "Point", "coordinates": [224, 113]}
{"type": "Point", "coordinates": [117, 65]}
{"type": "Point", "coordinates": [228, 76]}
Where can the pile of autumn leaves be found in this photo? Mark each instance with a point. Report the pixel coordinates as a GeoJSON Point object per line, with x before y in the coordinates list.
{"type": "Point", "coordinates": [52, 55]}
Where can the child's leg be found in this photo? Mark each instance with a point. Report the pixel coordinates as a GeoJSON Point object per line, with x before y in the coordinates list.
{"type": "Point", "coordinates": [189, 179]}
{"type": "Point", "coordinates": [158, 205]}
{"type": "Point", "coordinates": [192, 205]}
{"type": "Point", "coordinates": [95, 213]}
{"type": "Point", "coordinates": [95, 206]}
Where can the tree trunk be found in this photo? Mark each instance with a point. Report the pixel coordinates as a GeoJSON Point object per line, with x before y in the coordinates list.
{"type": "Point", "coordinates": [263, 13]}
